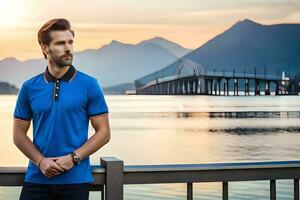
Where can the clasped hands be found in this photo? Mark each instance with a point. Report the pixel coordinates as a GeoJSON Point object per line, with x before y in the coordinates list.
{"type": "Point", "coordinates": [53, 166]}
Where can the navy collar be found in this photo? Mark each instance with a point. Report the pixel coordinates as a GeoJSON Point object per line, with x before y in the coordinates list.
{"type": "Point", "coordinates": [68, 76]}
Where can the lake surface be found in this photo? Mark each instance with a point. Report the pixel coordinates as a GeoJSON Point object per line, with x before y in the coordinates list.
{"type": "Point", "coordinates": [176, 130]}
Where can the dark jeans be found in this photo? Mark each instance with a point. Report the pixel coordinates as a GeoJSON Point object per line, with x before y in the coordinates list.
{"type": "Point", "coordinates": [35, 191]}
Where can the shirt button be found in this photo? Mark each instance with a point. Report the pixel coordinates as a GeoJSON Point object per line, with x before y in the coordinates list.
{"type": "Point", "coordinates": [56, 87]}
{"type": "Point", "coordinates": [56, 95]}
{"type": "Point", "coordinates": [57, 81]}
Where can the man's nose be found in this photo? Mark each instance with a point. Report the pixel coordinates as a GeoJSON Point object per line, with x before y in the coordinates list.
{"type": "Point", "coordinates": [68, 47]}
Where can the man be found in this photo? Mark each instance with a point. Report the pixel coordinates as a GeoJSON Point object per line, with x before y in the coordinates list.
{"type": "Point", "coordinates": [60, 101]}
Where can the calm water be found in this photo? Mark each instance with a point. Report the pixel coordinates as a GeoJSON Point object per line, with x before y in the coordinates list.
{"type": "Point", "coordinates": [147, 130]}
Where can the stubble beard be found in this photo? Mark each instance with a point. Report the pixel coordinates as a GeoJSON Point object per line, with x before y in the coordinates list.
{"type": "Point", "coordinates": [61, 61]}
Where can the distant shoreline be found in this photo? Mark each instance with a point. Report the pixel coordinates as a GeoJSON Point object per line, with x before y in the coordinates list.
{"type": "Point", "coordinates": [7, 88]}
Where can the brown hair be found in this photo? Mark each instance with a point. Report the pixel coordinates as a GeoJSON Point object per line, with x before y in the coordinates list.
{"type": "Point", "coordinates": [52, 25]}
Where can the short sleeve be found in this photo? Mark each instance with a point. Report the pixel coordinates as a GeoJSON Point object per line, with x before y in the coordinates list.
{"type": "Point", "coordinates": [22, 107]}
{"type": "Point", "coordinates": [96, 101]}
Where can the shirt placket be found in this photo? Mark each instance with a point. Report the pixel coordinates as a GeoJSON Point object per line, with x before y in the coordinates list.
{"type": "Point", "coordinates": [56, 89]}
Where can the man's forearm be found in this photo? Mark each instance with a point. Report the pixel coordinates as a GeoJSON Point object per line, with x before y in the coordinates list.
{"type": "Point", "coordinates": [95, 142]}
{"type": "Point", "coordinates": [28, 148]}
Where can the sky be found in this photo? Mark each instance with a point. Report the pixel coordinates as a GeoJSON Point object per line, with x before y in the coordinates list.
{"type": "Point", "coordinates": [189, 23]}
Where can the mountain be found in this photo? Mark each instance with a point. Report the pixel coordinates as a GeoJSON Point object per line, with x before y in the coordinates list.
{"type": "Point", "coordinates": [114, 63]}
{"type": "Point", "coordinates": [247, 44]}
{"type": "Point", "coordinates": [118, 63]}
{"type": "Point", "coordinates": [6, 88]}
{"type": "Point", "coordinates": [174, 48]}
{"type": "Point", "coordinates": [15, 72]}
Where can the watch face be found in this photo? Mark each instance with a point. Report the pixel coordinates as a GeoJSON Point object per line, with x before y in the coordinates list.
{"type": "Point", "coordinates": [77, 159]}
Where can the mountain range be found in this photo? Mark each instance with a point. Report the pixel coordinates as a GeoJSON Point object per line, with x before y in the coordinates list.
{"type": "Point", "coordinates": [113, 64]}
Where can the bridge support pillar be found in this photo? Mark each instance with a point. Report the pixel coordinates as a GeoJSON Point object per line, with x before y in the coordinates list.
{"type": "Point", "coordinates": [181, 83]}
{"type": "Point", "coordinates": [247, 86]}
{"type": "Point", "coordinates": [236, 87]}
{"type": "Point", "coordinates": [203, 86]}
{"type": "Point", "coordinates": [224, 87]}
{"type": "Point", "coordinates": [267, 88]}
{"type": "Point", "coordinates": [191, 85]}
{"type": "Point", "coordinates": [227, 87]}
{"type": "Point", "coordinates": [173, 87]}
{"type": "Point", "coordinates": [185, 87]}
{"type": "Point", "coordinates": [257, 90]}
{"type": "Point", "coordinates": [219, 86]}
{"type": "Point", "coordinates": [211, 86]}
{"type": "Point", "coordinates": [206, 86]}
{"type": "Point", "coordinates": [277, 83]}
{"type": "Point", "coordinates": [215, 86]}
{"type": "Point", "coordinates": [196, 81]}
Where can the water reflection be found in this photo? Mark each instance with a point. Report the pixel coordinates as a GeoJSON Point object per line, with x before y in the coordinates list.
{"type": "Point", "coordinates": [186, 129]}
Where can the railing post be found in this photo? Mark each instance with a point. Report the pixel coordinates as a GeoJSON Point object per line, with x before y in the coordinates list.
{"type": "Point", "coordinates": [225, 190]}
{"type": "Point", "coordinates": [114, 177]}
{"type": "Point", "coordinates": [273, 189]}
{"type": "Point", "coordinates": [296, 189]}
{"type": "Point", "coordinates": [189, 191]}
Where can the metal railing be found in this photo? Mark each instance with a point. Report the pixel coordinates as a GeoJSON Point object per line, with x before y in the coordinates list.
{"type": "Point", "coordinates": [111, 175]}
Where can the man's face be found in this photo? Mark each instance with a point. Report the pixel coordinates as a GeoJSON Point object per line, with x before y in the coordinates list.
{"type": "Point", "coordinates": [60, 49]}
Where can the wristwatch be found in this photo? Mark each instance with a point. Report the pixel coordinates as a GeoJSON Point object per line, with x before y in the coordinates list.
{"type": "Point", "coordinates": [76, 158]}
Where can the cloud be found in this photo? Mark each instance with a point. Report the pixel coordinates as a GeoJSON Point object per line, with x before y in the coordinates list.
{"type": "Point", "coordinates": [261, 13]}
{"type": "Point", "coordinates": [293, 17]}
{"type": "Point", "coordinates": [162, 12]}
{"type": "Point", "coordinates": [190, 22]}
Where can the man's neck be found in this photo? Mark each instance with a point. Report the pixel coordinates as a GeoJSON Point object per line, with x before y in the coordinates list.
{"type": "Point", "coordinates": [56, 71]}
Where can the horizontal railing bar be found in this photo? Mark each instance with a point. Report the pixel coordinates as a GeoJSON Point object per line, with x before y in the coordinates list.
{"type": "Point", "coordinates": [21, 170]}
{"type": "Point", "coordinates": [210, 175]}
{"type": "Point", "coordinates": [14, 176]}
{"type": "Point", "coordinates": [13, 170]}
{"type": "Point", "coordinates": [182, 173]}
{"type": "Point", "coordinates": [212, 166]}
{"type": "Point", "coordinates": [184, 167]}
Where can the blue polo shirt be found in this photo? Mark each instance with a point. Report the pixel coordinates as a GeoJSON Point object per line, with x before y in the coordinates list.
{"type": "Point", "coordinates": [60, 110]}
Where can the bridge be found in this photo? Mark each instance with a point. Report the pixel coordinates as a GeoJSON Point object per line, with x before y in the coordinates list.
{"type": "Point", "coordinates": [185, 77]}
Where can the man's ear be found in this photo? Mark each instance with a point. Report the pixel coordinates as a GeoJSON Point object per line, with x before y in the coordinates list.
{"type": "Point", "coordinates": [45, 49]}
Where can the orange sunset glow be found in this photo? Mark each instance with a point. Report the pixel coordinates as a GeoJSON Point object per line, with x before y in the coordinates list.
{"type": "Point", "coordinates": [188, 23]}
